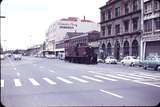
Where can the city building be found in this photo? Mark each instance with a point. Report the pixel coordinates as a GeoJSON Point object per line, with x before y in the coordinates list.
{"type": "Point", "coordinates": [57, 31]}
{"type": "Point", "coordinates": [151, 28]}
{"type": "Point", "coordinates": [120, 28]}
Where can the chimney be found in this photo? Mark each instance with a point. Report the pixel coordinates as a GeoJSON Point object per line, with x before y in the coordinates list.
{"type": "Point", "coordinates": [84, 18]}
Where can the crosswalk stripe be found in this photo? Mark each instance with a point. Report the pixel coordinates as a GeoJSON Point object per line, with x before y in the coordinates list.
{"type": "Point", "coordinates": [2, 83]}
{"type": "Point", "coordinates": [98, 76]}
{"type": "Point", "coordinates": [17, 82]}
{"type": "Point", "coordinates": [150, 75]}
{"type": "Point", "coordinates": [64, 80]}
{"type": "Point", "coordinates": [49, 81]}
{"type": "Point", "coordinates": [143, 76]}
{"type": "Point", "coordinates": [146, 83]}
{"type": "Point", "coordinates": [78, 79]}
{"type": "Point", "coordinates": [116, 77]}
{"type": "Point", "coordinates": [130, 77]}
{"type": "Point", "coordinates": [94, 79]}
{"type": "Point", "coordinates": [34, 82]}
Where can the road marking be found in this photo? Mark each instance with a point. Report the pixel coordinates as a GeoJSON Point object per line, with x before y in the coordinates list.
{"type": "Point", "coordinates": [98, 76]}
{"type": "Point", "coordinates": [34, 82]}
{"type": "Point", "coordinates": [64, 80]}
{"type": "Point", "coordinates": [87, 77]}
{"type": "Point", "coordinates": [130, 77]}
{"type": "Point", "coordinates": [117, 77]}
{"type": "Point", "coordinates": [49, 81]}
{"type": "Point", "coordinates": [143, 76]}
{"type": "Point", "coordinates": [146, 83]}
{"type": "Point", "coordinates": [15, 68]}
{"type": "Point", "coordinates": [18, 74]}
{"type": "Point", "coordinates": [17, 82]}
{"type": "Point", "coordinates": [113, 94]}
{"type": "Point", "coordinates": [2, 83]}
{"type": "Point", "coordinates": [51, 71]}
{"type": "Point", "coordinates": [150, 75]}
{"type": "Point", "coordinates": [41, 67]}
{"type": "Point", "coordinates": [78, 79]}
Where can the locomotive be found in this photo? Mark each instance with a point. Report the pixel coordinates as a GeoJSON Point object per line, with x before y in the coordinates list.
{"type": "Point", "coordinates": [77, 50]}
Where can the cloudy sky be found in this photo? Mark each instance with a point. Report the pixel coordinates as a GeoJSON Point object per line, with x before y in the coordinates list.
{"type": "Point", "coordinates": [27, 21]}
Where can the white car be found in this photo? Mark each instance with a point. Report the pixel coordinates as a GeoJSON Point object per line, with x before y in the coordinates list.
{"type": "Point", "coordinates": [110, 60]}
{"type": "Point", "coordinates": [130, 60]}
{"type": "Point", "coordinates": [50, 56]}
{"type": "Point", "coordinates": [17, 56]}
{"type": "Point", "coordinates": [99, 60]}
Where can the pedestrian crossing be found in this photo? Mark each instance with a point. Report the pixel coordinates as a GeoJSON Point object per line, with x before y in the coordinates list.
{"type": "Point", "coordinates": [140, 78]}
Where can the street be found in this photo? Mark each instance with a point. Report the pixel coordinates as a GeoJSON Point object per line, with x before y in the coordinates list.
{"type": "Point", "coordinates": [36, 82]}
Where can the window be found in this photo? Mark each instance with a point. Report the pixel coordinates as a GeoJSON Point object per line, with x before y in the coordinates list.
{"type": "Point", "coordinates": [126, 25]}
{"type": "Point", "coordinates": [117, 11]}
{"type": "Point", "coordinates": [148, 25]}
{"type": "Point", "coordinates": [156, 5]}
{"type": "Point", "coordinates": [135, 5]}
{"type": "Point", "coordinates": [157, 23]}
{"type": "Point", "coordinates": [103, 30]}
{"type": "Point", "coordinates": [103, 16]}
{"type": "Point", "coordinates": [117, 28]}
{"type": "Point", "coordinates": [147, 7]}
{"type": "Point", "coordinates": [109, 29]}
{"type": "Point", "coordinates": [126, 6]}
{"type": "Point", "coordinates": [135, 24]}
{"type": "Point", "coordinates": [109, 14]}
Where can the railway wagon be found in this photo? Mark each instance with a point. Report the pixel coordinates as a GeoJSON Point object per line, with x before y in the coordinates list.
{"type": "Point", "coordinates": [82, 55]}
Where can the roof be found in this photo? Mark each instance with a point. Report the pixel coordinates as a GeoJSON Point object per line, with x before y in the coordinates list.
{"type": "Point", "coordinates": [73, 34]}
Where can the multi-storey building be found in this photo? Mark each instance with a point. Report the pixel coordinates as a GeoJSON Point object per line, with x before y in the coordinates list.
{"type": "Point", "coordinates": [151, 28]}
{"type": "Point", "coordinates": [120, 28]}
{"type": "Point", "coordinates": [58, 30]}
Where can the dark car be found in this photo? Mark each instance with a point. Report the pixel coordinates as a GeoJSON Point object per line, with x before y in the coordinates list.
{"type": "Point", "coordinates": [152, 62]}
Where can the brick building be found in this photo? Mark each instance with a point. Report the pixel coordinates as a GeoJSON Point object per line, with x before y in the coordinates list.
{"type": "Point", "coordinates": [120, 28]}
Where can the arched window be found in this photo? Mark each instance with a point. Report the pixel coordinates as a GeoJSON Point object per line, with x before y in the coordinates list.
{"type": "Point", "coordinates": [109, 51]}
{"type": "Point", "coordinates": [135, 48]}
{"type": "Point", "coordinates": [126, 48]}
{"type": "Point", "coordinates": [117, 50]}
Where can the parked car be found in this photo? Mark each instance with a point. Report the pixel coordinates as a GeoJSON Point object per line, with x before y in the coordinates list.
{"type": "Point", "coordinates": [111, 60]}
{"type": "Point", "coordinates": [130, 60]}
{"type": "Point", "coordinates": [17, 56]}
{"type": "Point", "coordinates": [2, 56]}
{"type": "Point", "coordinates": [99, 60]}
{"type": "Point", "coordinates": [152, 62]}
{"type": "Point", "coordinates": [50, 56]}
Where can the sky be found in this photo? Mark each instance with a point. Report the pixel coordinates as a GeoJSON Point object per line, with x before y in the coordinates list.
{"type": "Point", "coordinates": [27, 21]}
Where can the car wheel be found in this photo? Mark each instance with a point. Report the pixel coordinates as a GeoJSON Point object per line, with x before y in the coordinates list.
{"type": "Point", "coordinates": [158, 68]}
{"type": "Point", "coordinates": [145, 67]}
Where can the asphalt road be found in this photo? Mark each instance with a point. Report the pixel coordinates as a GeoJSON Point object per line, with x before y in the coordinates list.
{"type": "Point", "coordinates": [34, 82]}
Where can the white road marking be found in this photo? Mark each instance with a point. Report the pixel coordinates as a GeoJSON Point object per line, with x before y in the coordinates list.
{"type": "Point", "coordinates": [2, 83]}
{"type": "Point", "coordinates": [18, 74]}
{"type": "Point", "coordinates": [34, 82]}
{"type": "Point", "coordinates": [17, 82]}
{"type": "Point", "coordinates": [130, 77]}
{"type": "Point", "coordinates": [78, 79]}
{"type": "Point", "coordinates": [64, 80]}
{"type": "Point", "coordinates": [51, 71]}
{"type": "Point", "coordinates": [15, 68]}
{"type": "Point", "coordinates": [146, 83]}
{"type": "Point", "coordinates": [117, 77]}
{"type": "Point", "coordinates": [41, 67]}
{"type": "Point", "coordinates": [90, 78]}
{"type": "Point", "coordinates": [113, 94]}
{"type": "Point", "coordinates": [155, 76]}
{"type": "Point", "coordinates": [49, 81]}
{"type": "Point", "coordinates": [98, 76]}
{"type": "Point", "coordinates": [143, 76]}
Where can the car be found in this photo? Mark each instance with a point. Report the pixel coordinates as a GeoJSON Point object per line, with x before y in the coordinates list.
{"type": "Point", "coordinates": [99, 60]}
{"type": "Point", "coordinates": [152, 62]}
{"type": "Point", "coordinates": [2, 56]}
{"type": "Point", "coordinates": [130, 60]}
{"type": "Point", "coordinates": [50, 56]}
{"type": "Point", "coordinates": [111, 60]}
{"type": "Point", "coordinates": [17, 56]}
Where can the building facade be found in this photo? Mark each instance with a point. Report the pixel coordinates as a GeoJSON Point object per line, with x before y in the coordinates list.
{"type": "Point", "coordinates": [120, 28]}
{"type": "Point", "coordinates": [57, 31]}
{"type": "Point", "coordinates": [151, 28]}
